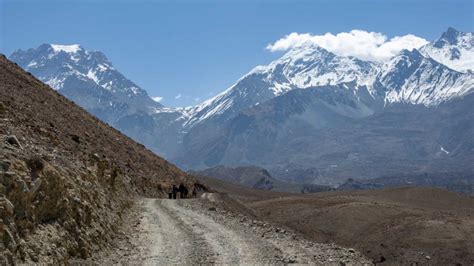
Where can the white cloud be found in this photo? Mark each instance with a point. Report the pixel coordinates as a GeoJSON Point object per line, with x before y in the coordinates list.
{"type": "Point", "coordinates": [178, 96]}
{"type": "Point", "coordinates": [361, 44]}
{"type": "Point", "coordinates": [157, 99]}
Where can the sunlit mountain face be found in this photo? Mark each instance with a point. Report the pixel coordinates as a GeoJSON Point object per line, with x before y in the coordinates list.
{"type": "Point", "coordinates": [310, 115]}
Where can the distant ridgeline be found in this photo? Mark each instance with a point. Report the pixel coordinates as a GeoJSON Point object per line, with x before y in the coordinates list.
{"type": "Point", "coordinates": [310, 116]}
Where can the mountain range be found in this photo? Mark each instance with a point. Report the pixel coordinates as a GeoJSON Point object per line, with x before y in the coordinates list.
{"type": "Point", "coordinates": [310, 116]}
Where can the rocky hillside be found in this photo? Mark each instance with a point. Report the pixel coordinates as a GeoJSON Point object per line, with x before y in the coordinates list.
{"type": "Point", "coordinates": [66, 178]}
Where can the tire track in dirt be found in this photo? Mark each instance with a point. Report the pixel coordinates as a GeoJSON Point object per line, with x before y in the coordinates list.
{"type": "Point", "coordinates": [198, 231]}
{"type": "Point", "coordinates": [170, 241]}
{"type": "Point", "coordinates": [229, 246]}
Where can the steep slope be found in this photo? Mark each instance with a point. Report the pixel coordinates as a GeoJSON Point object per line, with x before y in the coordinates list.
{"type": "Point", "coordinates": [89, 79]}
{"type": "Point", "coordinates": [453, 49]}
{"type": "Point", "coordinates": [252, 135]}
{"type": "Point", "coordinates": [67, 179]}
{"type": "Point", "coordinates": [412, 78]}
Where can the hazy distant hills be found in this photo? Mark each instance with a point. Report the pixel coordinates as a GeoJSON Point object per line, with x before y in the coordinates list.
{"type": "Point", "coordinates": [310, 116]}
{"type": "Point", "coordinates": [257, 178]}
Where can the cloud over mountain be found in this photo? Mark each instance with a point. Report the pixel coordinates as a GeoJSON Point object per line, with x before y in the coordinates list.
{"type": "Point", "coordinates": [364, 45]}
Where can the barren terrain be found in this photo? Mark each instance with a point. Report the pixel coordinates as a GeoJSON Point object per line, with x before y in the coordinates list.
{"type": "Point", "coordinates": [66, 178]}
{"type": "Point", "coordinates": [205, 231]}
{"type": "Point", "coordinates": [396, 226]}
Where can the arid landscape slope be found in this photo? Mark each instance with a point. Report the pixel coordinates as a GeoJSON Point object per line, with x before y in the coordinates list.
{"type": "Point", "coordinates": [395, 226]}
{"type": "Point", "coordinates": [66, 178]}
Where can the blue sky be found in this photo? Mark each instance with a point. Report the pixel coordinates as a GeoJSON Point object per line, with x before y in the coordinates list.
{"type": "Point", "coordinates": [198, 48]}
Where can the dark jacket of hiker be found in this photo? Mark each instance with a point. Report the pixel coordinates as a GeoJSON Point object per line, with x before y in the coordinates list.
{"type": "Point", "coordinates": [174, 190]}
{"type": "Point", "coordinates": [181, 191]}
{"type": "Point", "coordinates": [185, 192]}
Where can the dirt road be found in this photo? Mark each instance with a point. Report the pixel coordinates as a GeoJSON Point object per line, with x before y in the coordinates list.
{"type": "Point", "coordinates": [180, 235]}
{"type": "Point", "coordinates": [197, 231]}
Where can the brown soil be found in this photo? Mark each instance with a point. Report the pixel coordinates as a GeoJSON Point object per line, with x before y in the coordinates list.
{"type": "Point", "coordinates": [394, 226]}
{"type": "Point", "coordinates": [66, 179]}
{"type": "Point", "coordinates": [205, 231]}
{"type": "Point", "coordinates": [37, 113]}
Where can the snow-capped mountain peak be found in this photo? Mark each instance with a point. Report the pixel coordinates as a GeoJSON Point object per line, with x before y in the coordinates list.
{"type": "Point", "coordinates": [402, 62]}
{"type": "Point", "coordinates": [341, 84]}
{"type": "Point", "coordinates": [413, 78]}
{"type": "Point", "coordinates": [449, 37]}
{"type": "Point", "coordinates": [453, 49]}
{"type": "Point", "coordinates": [310, 65]}
{"type": "Point", "coordinates": [87, 77]}
{"type": "Point", "coordinates": [409, 76]}
{"type": "Point", "coordinates": [55, 64]}
{"type": "Point", "coordinates": [74, 48]}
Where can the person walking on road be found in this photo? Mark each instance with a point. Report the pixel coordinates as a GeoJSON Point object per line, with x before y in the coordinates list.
{"type": "Point", "coordinates": [185, 192]}
{"type": "Point", "coordinates": [181, 191]}
{"type": "Point", "coordinates": [174, 190]}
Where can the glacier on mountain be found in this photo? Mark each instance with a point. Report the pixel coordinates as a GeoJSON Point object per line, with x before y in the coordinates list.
{"type": "Point", "coordinates": [416, 77]}
{"type": "Point", "coordinates": [436, 73]}
{"type": "Point", "coordinates": [454, 49]}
